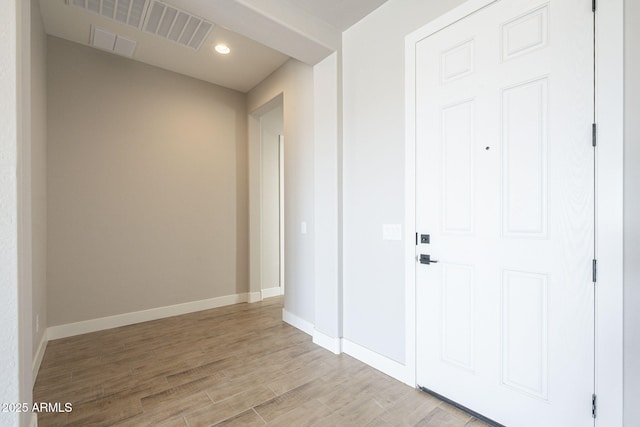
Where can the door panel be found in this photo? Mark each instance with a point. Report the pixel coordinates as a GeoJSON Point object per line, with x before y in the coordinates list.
{"type": "Point", "coordinates": [504, 179]}
{"type": "Point", "coordinates": [524, 159]}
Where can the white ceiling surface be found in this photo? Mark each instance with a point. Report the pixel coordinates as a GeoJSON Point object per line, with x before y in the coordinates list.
{"type": "Point", "coordinates": [340, 14]}
{"type": "Point", "coordinates": [307, 30]}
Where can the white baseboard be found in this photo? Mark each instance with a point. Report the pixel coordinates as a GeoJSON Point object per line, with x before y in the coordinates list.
{"type": "Point", "coordinates": [254, 297]}
{"type": "Point", "coordinates": [93, 325]}
{"type": "Point", "coordinates": [37, 358]}
{"type": "Point", "coordinates": [271, 292]}
{"type": "Point", "coordinates": [332, 344]}
{"type": "Point", "coordinates": [296, 322]}
{"type": "Point", "coordinates": [378, 361]}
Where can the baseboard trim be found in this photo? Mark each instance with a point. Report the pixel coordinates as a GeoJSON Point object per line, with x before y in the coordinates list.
{"type": "Point", "coordinates": [332, 344]}
{"type": "Point", "coordinates": [296, 322]}
{"type": "Point", "coordinates": [94, 325]}
{"type": "Point", "coordinates": [37, 358]}
{"type": "Point", "coordinates": [381, 363]}
{"type": "Point", "coordinates": [271, 292]}
{"type": "Point", "coordinates": [254, 297]}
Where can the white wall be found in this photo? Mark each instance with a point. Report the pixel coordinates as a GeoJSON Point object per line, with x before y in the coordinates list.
{"type": "Point", "coordinates": [373, 144]}
{"type": "Point", "coordinates": [39, 172]}
{"type": "Point", "coordinates": [9, 353]}
{"type": "Point", "coordinates": [146, 175]}
{"type": "Point", "coordinates": [15, 209]}
{"type": "Point", "coordinates": [632, 216]}
{"type": "Point", "coordinates": [294, 82]}
{"type": "Point", "coordinates": [271, 126]}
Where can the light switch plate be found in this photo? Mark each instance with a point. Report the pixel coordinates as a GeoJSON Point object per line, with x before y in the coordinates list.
{"type": "Point", "coordinates": [303, 227]}
{"type": "Point", "coordinates": [391, 232]}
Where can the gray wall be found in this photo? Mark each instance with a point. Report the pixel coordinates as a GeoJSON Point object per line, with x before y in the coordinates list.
{"type": "Point", "coordinates": [373, 173]}
{"type": "Point", "coordinates": [38, 172]}
{"type": "Point", "coordinates": [632, 215]}
{"type": "Point", "coordinates": [147, 189]}
{"type": "Point", "coordinates": [327, 111]}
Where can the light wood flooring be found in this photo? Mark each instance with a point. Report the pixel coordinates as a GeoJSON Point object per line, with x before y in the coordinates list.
{"type": "Point", "coordinates": [238, 365]}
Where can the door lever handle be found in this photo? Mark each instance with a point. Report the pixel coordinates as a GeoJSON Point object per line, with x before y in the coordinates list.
{"type": "Point", "coordinates": [426, 259]}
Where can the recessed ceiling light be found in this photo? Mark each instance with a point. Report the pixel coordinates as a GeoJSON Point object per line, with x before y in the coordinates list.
{"type": "Point", "coordinates": [223, 49]}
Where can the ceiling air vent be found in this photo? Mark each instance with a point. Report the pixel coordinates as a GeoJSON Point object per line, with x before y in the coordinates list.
{"type": "Point", "coordinates": [176, 25]}
{"type": "Point", "coordinates": [130, 12]}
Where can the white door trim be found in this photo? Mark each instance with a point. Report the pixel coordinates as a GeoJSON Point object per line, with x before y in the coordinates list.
{"type": "Point", "coordinates": [609, 211]}
{"type": "Point", "coordinates": [609, 183]}
{"type": "Point", "coordinates": [281, 207]}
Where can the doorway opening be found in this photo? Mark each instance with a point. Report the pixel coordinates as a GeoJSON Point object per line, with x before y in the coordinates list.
{"type": "Point", "coordinates": [272, 203]}
{"type": "Point", "coordinates": [266, 192]}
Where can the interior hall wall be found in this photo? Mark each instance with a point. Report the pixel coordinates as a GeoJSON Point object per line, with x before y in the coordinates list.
{"type": "Point", "coordinates": [147, 188]}
{"type": "Point", "coordinates": [293, 81]}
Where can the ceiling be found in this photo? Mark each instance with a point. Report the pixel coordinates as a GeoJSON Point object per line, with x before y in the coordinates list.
{"type": "Point", "coordinates": [262, 35]}
{"type": "Point", "coordinates": [340, 14]}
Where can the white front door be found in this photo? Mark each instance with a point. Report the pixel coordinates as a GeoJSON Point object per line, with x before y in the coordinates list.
{"type": "Point", "coordinates": [504, 183]}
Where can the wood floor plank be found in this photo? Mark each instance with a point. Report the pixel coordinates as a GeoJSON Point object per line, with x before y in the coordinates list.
{"type": "Point", "coordinates": [66, 393]}
{"type": "Point", "coordinates": [105, 411]}
{"type": "Point", "coordinates": [139, 386]}
{"type": "Point", "coordinates": [248, 418]}
{"type": "Point", "coordinates": [379, 422]}
{"type": "Point", "coordinates": [180, 422]}
{"type": "Point", "coordinates": [171, 411]}
{"type": "Point", "coordinates": [205, 370]}
{"type": "Point", "coordinates": [284, 403]}
{"type": "Point", "coordinates": [162, 398]}
{"type": "Point", "coordinates": [360, 412]}
{"type": "Point", "coordinates": [440, 417]}
{"type": "Point", "coordinates": [228, 408]}
{"type": "Point", "coordinates": [298, 377]}
{"type": "Point", "coordinates": [305, 415]}
{"type": "Point", "coordinates": [408, 411]}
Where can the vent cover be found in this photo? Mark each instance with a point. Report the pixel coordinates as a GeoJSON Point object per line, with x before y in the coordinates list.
{"type": "Point", "coordinates": [130, 12]}
{"type": "Point", "coordinates": [176, 25]}
{"type": "Point", "coordinates": [111, 42]}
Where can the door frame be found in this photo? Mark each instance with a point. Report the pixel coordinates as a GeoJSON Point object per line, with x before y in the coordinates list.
{"type": "Point", "coordinates": [609, 38]}
{"type": "Point", "coordinates": [281, 206]}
